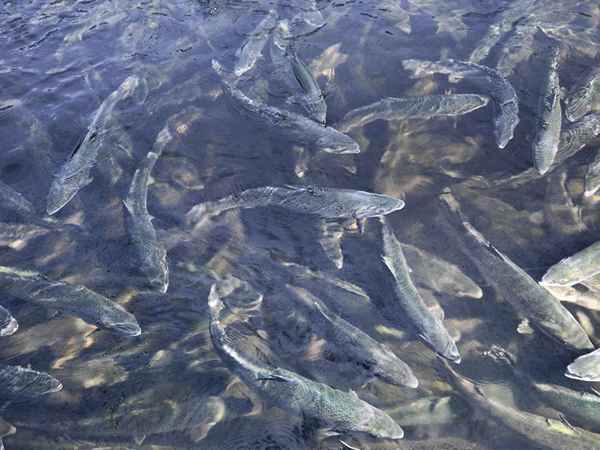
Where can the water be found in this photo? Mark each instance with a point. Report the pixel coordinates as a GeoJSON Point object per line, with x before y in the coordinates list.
{"type": "Point", "coordinates": [59, 60]}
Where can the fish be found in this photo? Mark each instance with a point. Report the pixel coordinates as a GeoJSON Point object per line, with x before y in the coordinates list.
{"type": "Point", "coordinates": [592, 176]}
{"type": "Point", "coordinates": [547, 138]}
{"type": "Point", "coordinates": [542, 431]}
{"type": "Point", "coordinates": [576, 268]}
{"type": "Point", "coordinates": [352, 343]}
{"type": "Point", "coordinates": [504, 96]}
{"type": "Point", "coordinates": [530, 300]}
{"type": "Point", "coordinates": [71, 299]}
{"type": "Point", "coordinates": [585, 368]}
{"type": "Point", "coordinates": [75, 173]}
{"type": "Point", "coordinates": [8, 324]}
{"type": "Point", "coordinates": [12, 200]}
{"type": "Point", "coordinates": [324, 202]}
{"type": "Point", "coordinates": [339, 410]}
{"type": "Point", "coordinates": [417, 107]}
{"type": "Point", "coordinates": [573, 137]}
{"type": "Point", "coordinates": [498, 29]}
{"type": "Point", "coordinates": [579, 405]}
{"type": "Point", "coordinates": [151, 252]}
{"type": "Point", "coordinates": [298, 128]}
{"type": "Point", "coordinates": [581, 96]}
{"type": "Point", "coordinates": [409, 303]}
{"type": "Point", "coordinates": [312, 101]}
{"type": "Point", "coordinates": [251, 49]}
{"type": "Point", "coordinates": [18, 383]}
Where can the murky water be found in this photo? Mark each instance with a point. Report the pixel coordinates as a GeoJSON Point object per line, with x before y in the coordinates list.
{"type": "Point", "coordinates": [168, 389]}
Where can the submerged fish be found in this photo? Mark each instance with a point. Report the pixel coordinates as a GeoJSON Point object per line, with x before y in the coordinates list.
{"type": "Point", "coordinates": [339, 410]}
{"type": "Point", "coordinates": [582, 406]}
{"type": "Point", "coordinates": [8, 324]}
{"type": "Point", "coordinates": [585, 368]}
{"type": "Point", "coordinates": [530, 300]}
{"type": "Point", "coordinates": [542, 431]}
{"type": "Point", "coordinates": [592, 176]}
{"type": "Point", "coordinates": [18, 383]}
{"type": "Point", "coordinates": [423, 107]}
{"type": "Point", "coordinates": [251, 50]}
{"type": "Point", "coordinates": [429, 328]}
{"type": "Point", "coordinates": [14, 201]}
{"type": "Point", "coordinates": [581, 97]}
{"type": "Point", "coordinates": [75, 174]}
{"type": "Point", "coordinates": [71, 299]}
{"type": "Point", "coordinates": [546, 141]}
{"type": "Point", "coordinates": [298, 128]}
{"type": "Point", "coordinates": [352, 343]}
{"type": "Point", "coordinates": [328, 203]}
{"type": "Point", "coordinates": [576, 268]}
{"type": "Point", "coordinates": [150, 250]}
{"type": "Point", "coordinates": [504, 97]}
{"type": "Point", "coordinates": [312, 100]}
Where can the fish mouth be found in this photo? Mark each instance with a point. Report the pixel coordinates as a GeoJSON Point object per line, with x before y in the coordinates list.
{"type": "Point", "coordinates": [127, 329]}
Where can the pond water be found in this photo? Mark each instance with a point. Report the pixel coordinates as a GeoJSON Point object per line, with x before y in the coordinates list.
{"type": "Point", "coordinates": [109, 75]}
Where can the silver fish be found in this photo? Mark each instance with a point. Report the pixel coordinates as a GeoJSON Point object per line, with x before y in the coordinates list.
{"type": "Point", "coordinates": [150, 250]}
{"type": "Point", "coordinates": [75, 174]}
{"type": "Point", "coordinates": [504, 97]}
{"type": "Point", "coordinates": [585, 368]}
{"type": "Point", "coordinates": [530, 300]}
{"type": "Point", "coordinates": [592, 176]}
{"type": "Point", "coordinates": [429, 328]}
{"type": "Point", "coordinates": [582, 95]}
{"type": "Point", "coordinates": [251, 50]}
{"type": "Point", "coordinates": [72, 299]}
{"type": "Point", "coordinates": [8, 324]}
{"type": "Point", "coordinates": [312, 100]}
{"type": "Point", "coordinates": [418, 107]}
{"type": "Point", "coordinates": [576, 268]}
{"type": "Point", "coordinates": [542, 431]}
{"type": "Point", "coordinates": [547, 138]}
{"type": "Point", "coordinates": [297, 128]}
{"type": "Point", "coordinates": [14, 201]}
{"type": "Point", "coordinates": [352, 343]}
{"type": "Point", "coordinates": [329, 203]}
{"type": "Point", "coordinates": [18, 383]}
{"type": "Point", "coordinates": [339, 410]}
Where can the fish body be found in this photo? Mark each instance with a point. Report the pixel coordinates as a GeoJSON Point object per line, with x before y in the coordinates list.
{"type": "Point", "coordinates": [504, 96]}
{"type": "Point", "coordinates": [544, 432]}
{"type": "Point", "coordinates": [151, 252]}
{"type": "Point", "coordinates": [580, 99]}
{"type": "Point", "coordinates": [12, 200]}
{"type": "Point", "coordinates": [528, 298]}
{"type": "Point", "coordinates": [297, 128]}
{"type": "Point", "coordinates": [75, 174]}
{"type": "Point", "coordinates": [18, 383]}
{"type": "Point", "coordinates": [547, 139]}
{"type": "Point", "coordinates": [585, 368]}
{"type": "Point", "coordinates": [418, 107]}
{"type": "Point", "coordinates": [8, 324]}
{"type": "Point", "coordinates": [328, 203]}
{"type": "Point", "coordinates": [354, 344]}
{"type": "Point", "coordinates": [342, 411]}
{"type": "Point", "coordinates": [428, 327]}
{"type": "Point", "coordinates": [251, 49]}
{"type": "Point", "coordinates": [71, 299]}
{"type": "Point", "coordinates": [574, 269]}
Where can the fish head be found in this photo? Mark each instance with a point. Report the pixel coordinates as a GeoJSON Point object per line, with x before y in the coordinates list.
{"type": "Point", "coordinates": [394, 371]}
{"type": "Point", "coordinates": [585, 368]}
{"type": "Point", "coordinates": [380, 425]}
{"type": "Point", "coordinates": [64, 187]}
{"type": "Point", "coordinates": [557, 276]}
{"type": "Point", "coordinates": [441, 343]}
{"type": "Point", "coordinates": [127, 328]}
{"type": "Point", "coordinates": [377, 205]}
{"type": "Point", "coordinates": [333, 141]}
{"type": "Point", "coordinates": [505, 122]}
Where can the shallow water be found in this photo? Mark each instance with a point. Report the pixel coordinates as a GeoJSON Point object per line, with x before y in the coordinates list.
{"type": "Point", "coordinates": [59, 60]}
